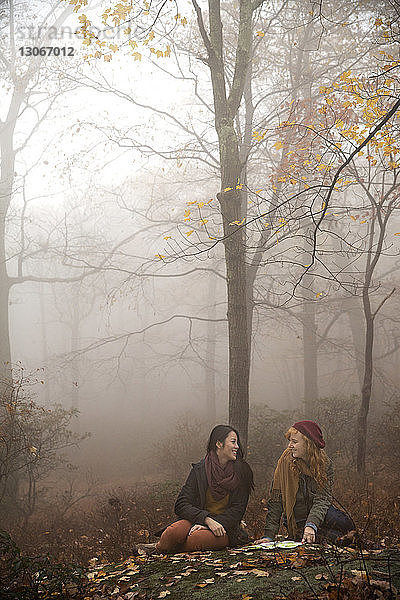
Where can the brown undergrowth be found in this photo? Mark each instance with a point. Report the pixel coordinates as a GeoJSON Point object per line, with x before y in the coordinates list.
{"type": "Point", "coordinates": [118, 519]}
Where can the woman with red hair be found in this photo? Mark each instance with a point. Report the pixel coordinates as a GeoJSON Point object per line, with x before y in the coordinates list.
{"type": "Point", "coordinates": [302, 490]}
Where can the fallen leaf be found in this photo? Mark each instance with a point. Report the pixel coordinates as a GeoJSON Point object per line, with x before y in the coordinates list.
{"type": "Point", "coordinates": [205, 583]}
{"type": "Point", "coordinates": [259, 573]}
{"type": "Point", "coordinates": [359, 574]}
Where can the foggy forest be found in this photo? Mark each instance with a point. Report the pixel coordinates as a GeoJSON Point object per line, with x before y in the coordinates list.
{"type": "Point", "coordinates": [200, 226]}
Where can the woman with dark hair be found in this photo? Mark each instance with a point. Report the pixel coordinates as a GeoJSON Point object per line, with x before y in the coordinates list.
{"type": "Point", "coordinates": [212, 502]}
{"type": "Point", "coordinates": [302, 490]}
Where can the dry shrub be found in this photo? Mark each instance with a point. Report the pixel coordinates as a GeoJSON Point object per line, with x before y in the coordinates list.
{"type": "Point", "coordinates": [185, 443]}
{"type": "Point", "coordinates": [108, 529]}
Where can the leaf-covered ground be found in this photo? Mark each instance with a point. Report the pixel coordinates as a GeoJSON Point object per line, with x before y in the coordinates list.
{"type": "Point", "coordinates": [313, 572]}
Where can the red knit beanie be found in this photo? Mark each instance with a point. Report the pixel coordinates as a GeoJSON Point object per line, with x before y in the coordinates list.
{"type": "Point", "coordinates": [312, 431]}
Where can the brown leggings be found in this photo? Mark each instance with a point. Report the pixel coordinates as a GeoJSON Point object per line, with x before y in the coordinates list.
{"type": "Point", "coordinates": [176, 539]}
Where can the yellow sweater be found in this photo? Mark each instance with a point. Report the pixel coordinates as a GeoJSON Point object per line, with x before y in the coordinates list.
{"type": "Point", "coordinates": [215, 507]}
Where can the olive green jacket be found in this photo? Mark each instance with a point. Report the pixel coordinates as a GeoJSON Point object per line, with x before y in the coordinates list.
{"type": "Point", "coordinates": [312, 503]}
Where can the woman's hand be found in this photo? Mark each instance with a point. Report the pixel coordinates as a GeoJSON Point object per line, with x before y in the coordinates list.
{"type": "Point", "coordinates": [308, 535]}
{"type": "Point", "coordinates": [215, 527]}
{"type": "Point", "coordinates": [196, 528]}
{"type": "Point", "coordinates": [262, 540]}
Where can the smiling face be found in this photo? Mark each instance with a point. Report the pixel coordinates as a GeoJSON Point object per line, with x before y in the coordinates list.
{"type": "Point", "coordinates": [227, 450]}
{"type": "Point", "coordinates": [298, 445]}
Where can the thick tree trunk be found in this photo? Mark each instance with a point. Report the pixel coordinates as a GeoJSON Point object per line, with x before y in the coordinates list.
{"type": "Point", "coordinates": [235, 259]}
{"type": "Point", "coordinates": [239, 356]}
{"type": "Point", "coordinates": [230, 198]}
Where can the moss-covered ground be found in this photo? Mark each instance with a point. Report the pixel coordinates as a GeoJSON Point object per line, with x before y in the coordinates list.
{"type": "Point", "coordinates": [303, 573]}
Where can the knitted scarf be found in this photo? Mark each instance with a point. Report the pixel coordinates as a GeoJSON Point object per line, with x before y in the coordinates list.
{"type": "Point", "coordinates": [286, 485]}
{"type": "Point", "coordinates": [221, 480]}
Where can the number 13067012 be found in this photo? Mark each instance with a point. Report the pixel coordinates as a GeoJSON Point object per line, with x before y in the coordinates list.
{"type": "Point", "coordinates": [46, 51]}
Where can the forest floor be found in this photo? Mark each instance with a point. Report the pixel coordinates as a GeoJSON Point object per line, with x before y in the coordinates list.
{"type": "Point", "coordinates": [88, 553]}
{"type": "Point", "coordinates": [306, 572]}
{"type": "Point", "coordinates": [314, 572]}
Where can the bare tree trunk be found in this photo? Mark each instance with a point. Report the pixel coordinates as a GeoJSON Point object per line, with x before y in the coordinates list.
{"type": "Point", "coordinates": [45, 350]}
{"type": "Point", "coordinates": [210, 371]}
{"type": "Point", "coordinates": [239, 357]}
{"type": "Point", "coordinates": [7, 155]}
{"type": "Point", "coordinates": [310, 360]}
{"type": "Point", "coordinates": [357, 326]}
{"type": "Point", "coordinates": [373, 256]}
{"type": "Point", "coordinates": [367, 383]}
{"type": "Point", "coordinates": [75, 370]}
{"type": "Point", "coordinates": [231, 203]}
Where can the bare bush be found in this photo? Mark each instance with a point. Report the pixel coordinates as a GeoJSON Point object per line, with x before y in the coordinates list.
{"type": "Point", "coordinates": [32, 439]}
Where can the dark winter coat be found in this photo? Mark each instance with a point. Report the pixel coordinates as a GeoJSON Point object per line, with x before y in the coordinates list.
{"type": "Point", "coordinates": [192, 498]}
{"type": "Point", "coordinates": [312, 503]}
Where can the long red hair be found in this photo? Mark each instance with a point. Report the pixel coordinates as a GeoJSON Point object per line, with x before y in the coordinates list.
{"type": "Point", "coordinates": [316, 458]}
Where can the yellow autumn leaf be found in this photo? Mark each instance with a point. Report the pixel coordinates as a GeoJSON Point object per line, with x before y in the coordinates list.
{"type": "Point", "coordinates": [137, 56]}
{"type": "Point", "coordinates": [113, 47]}
{"type": "Point", "coordinates": [238, 222]}
{"type": "Point", "coordinates": [260, 33]}
{"type": "Point", "coordinates": [239, 187]}
{"type": "Point", "coordinates": [189, 232]}
{"type": "Point", "coordinates": [278, 145]}
{"type": "Point", "coordinates": [227, 189]}
{"type": "Point", "coordinates": [159, 256]}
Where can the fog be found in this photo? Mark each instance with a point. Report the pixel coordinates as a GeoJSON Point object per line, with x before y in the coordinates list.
{"type": "Point", "coordinates": [114, 253]}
